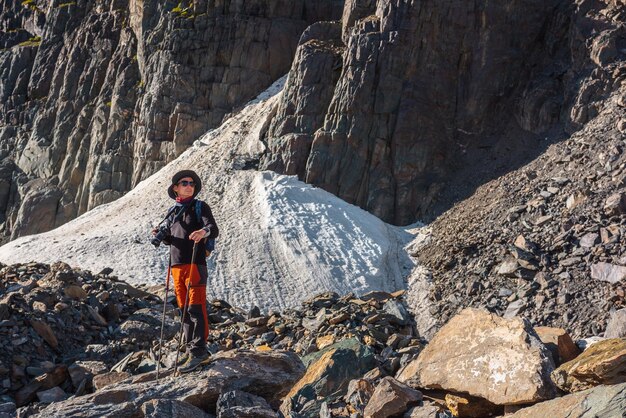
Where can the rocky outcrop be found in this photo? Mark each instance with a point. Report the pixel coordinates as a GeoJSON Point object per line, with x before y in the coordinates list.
{"type": "Point", "coordinates": [96, 97]}
{"type": "Point", "coordinates": [601, 401]}
{"type": "Point", "coordinates": [428, 94]}
{"type": "Point", "coordinates": [513, 365]}
{"type": "Point", "coordinates": [604, 363]}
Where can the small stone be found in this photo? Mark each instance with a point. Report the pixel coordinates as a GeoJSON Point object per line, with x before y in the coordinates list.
{"type": "Point", "coordinates": [75, 292]}
{"type": "Point", "coordinates": [514, 308]}
{"type": "Point", "coordinates": [59, 307]}
{"type": "Point", "coordinates": [324, 341]}
{"type": "Point", "coordinates": [55, 394]}
{"type": "Point", "coordinates": [589, 240]}
{"type": "Point", "coordinates": [559, 343]}
{"type": "Point", "coordinates": [508, 267]}
{"type": "Point", "coordinates": [504, 292]}
{"type": "Point", "coordinates": [45, 332]}
{"type": "Point", "coordinates": [542, 220]}
{"type": "Point", "coordinates": [615, 205]}
{"type": "Point", "coordinates": [608, 272]}
{"type": "Point", "coordinates": [575, 200]}
{"type": "Point", "coordinates": [39, 306]}
{"type": "Point", "coordinates": [96, 316]}
{"type": "Point", "coordinates": [425, 411]}
{"type": "Point", "coordinates": [339, 318]}
{"type": "Point", "coordinates": [525, 245]}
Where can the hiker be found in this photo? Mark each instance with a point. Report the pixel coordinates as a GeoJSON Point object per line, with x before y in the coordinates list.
{"type": "Point", "coordinates": [189, 221]}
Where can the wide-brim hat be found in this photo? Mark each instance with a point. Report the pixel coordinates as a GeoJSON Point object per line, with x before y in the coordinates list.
{"type": "Point", "coordinates": [181, 175]}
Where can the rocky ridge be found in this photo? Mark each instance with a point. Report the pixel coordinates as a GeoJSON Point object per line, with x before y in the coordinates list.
{"type": "Point", "coordinates": [337, 356]}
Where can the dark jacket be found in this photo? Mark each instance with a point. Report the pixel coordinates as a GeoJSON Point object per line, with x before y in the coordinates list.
{"type": "Point", "coordinates": [182, 221]}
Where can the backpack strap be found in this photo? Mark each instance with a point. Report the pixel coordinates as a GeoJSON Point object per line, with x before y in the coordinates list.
{"type": "Point", "coordinates": [210, 242]}
{"type": "Point", "coordinates": [199, 212]}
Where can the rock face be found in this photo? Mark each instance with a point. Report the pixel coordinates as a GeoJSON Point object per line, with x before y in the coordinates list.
{"type": "Point", "coordinates": [486, 356]}
{"type": "Point", "coordinates": [96, 97]}
{"type": "Point", "coordinates": [604, 363]}
{"type": "Point", "coordinates": [412, 106]}
{"type": "Point", "coordinates": [601, 401]}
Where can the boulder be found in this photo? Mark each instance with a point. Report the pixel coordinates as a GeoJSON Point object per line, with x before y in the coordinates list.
{"type": "Point", "coordinates": [328, 373]}
{"type": "Point", "coordinates": [604, 363]}
{"type": "Point", "coordinates": [601, 401]}
{"type": "Point", "coordinates": [501, 360]}
{"type": "Point", "coordinates": [391, 398]}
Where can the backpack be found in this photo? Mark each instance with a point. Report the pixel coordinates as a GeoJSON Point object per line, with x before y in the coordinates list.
{"type": "Point", "coordinates": [209, 243]}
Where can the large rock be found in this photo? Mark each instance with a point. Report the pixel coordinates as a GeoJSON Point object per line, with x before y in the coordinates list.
{"type": "Point", "coordinates": [328, 374]}
{"type": "Point", "coordinates": [391, 398]}
{"type": "Point", "coordinates": [266, 374]}
{"type": "Point", "coordinates": [486, 356]}
{"type": "Point", "coordinates": [601, 401]}
{"type": "Point", "coordinates": [604, 363]}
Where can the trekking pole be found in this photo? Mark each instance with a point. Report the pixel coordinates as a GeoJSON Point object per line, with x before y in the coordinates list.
{"type": "Point", "coordinates": [167, 289]}
{"type": "Point", "coordinates": [182, 319]}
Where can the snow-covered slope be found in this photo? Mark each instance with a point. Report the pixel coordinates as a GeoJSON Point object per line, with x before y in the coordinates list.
{"type": "Point", "coordinates": [281, 240]}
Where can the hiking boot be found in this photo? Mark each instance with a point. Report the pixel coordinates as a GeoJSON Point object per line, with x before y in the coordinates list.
{"type": "Point", "coordinates": [183, 358]}
{"type": "Point", "coordinates": [193, 362]}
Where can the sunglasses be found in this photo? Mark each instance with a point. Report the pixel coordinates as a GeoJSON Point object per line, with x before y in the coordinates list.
{"type": "Point", "coordinates": [186, 183]}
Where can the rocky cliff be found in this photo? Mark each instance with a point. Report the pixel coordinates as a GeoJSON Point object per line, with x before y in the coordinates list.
{"type": "Point", "coordinates": [406, 106]}
{"type": "Point", "coordinates": [98, 95]}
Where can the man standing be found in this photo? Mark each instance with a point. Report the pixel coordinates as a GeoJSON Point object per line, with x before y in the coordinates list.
{"type": "Point", "coordinates": [186, 228]}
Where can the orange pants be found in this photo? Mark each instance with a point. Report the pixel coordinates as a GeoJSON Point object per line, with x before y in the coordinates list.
{"type": "Point", "coordinates": [196, 323]}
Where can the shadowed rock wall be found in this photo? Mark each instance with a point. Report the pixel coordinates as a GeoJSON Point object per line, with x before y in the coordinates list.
{"type": "Point", "coordinates": [431, 91]}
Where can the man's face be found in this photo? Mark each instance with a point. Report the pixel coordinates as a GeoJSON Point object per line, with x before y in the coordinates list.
{"type": "Point", "coordinates": [184, 188]}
